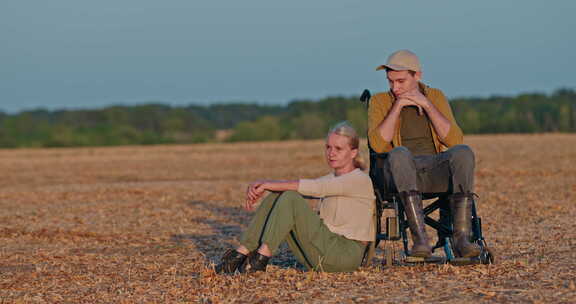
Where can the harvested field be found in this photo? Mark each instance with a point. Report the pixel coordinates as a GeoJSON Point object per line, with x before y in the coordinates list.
{"type": "Point", "coordinates": [145, 224]}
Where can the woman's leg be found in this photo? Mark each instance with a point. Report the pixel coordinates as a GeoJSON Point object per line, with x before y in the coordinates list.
{"type": "Point", "coordinates": [251, 236]}
{"type": "Point", "coordinates": [250, 240]}
{"type": "Point", "coordinates": [313, 244]}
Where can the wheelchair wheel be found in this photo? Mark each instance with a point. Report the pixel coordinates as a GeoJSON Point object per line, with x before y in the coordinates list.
{"type": "Point", "coordinates": [487, 256]}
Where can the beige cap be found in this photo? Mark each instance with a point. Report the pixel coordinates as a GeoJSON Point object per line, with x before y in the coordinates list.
{"type": "Point", "coordinates": [402, 60]}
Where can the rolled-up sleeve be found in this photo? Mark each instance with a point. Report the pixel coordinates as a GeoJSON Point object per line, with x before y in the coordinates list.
{"type": "Point", "coordinates": [455, 135]}
{"type": "Point", "coordinates": [377, 112]}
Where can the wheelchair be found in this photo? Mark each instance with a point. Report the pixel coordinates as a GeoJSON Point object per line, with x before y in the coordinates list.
{"type": "Point", "coordinates": [396, 225]}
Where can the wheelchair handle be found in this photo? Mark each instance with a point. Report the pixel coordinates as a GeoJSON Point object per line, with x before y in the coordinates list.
{"type": "Point", "coordinates": [365, 97]}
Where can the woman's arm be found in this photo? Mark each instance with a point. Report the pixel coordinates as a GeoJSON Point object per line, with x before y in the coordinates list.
{"type": "Point", "coordinates": [256, 190]}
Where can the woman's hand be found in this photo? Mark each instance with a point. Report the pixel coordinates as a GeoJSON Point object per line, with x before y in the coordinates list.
{"type": "Point", "coordinates": [254, 193]}
{"type": "Point", "coordinates": [256, 190]}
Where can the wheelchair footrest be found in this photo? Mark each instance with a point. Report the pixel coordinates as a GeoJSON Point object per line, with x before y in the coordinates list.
{"type": "Point", "coordinates": [392, 228]}
{"type": "Point", "coordinates": [429, 260]}
{"type": "Point", "coordinates": [465, 261]}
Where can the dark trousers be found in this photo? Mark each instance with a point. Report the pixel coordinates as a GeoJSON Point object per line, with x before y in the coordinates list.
{"type": "Point", "coordinates": [451, 171]}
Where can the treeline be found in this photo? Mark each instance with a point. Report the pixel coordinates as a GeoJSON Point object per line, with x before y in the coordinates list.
{"type": "Point", "coordinates": [526, 113]}
{"type": "Point", "coordinates": [304, 119]}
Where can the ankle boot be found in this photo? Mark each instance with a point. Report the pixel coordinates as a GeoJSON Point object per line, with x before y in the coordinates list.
{"type": "Point", "coordinates": [412, 201]}
{"type": "Point", "coordinates": [255, 262]}
{"type": "Point", "coordinates": [230, 262]}
{"type": "Point", "coordinates": [461, 208]}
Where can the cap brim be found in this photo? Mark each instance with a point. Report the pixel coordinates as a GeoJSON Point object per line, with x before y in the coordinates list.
{"type": "Point", "coordinates": [394, 67]}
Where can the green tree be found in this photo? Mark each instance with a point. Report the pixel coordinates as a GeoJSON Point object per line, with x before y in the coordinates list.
{"type": "Point", "coordinates": [309, 126]}
{"type": "Point", "coordinates": [264, 128]}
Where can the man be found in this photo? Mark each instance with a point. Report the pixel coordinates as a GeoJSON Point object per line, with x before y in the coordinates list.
{"type": "Point", "coordinates": [414, 125]}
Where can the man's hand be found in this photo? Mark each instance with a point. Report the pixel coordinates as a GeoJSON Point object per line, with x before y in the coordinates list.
{"type": "Point", "coordinates": [403, 102]}
{"type": "Point", "coordinates": [417, 99]}
{"type": "Point", "coordinates": [440, 123]}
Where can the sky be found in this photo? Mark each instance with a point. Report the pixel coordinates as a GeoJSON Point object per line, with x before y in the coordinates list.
{"type": "Point", "coordinates": [70, 54]}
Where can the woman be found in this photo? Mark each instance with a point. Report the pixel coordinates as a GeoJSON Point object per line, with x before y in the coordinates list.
{"type": "Point", "coordinates": [333, 241]}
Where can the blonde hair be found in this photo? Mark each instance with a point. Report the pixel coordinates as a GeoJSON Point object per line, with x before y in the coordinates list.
{"type": "Point", "coordinates": [344, 128]}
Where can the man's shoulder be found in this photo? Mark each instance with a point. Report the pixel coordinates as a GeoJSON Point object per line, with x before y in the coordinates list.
{"type": "Point", "coordinates": [381, 98]}
{"type": "Point", "coordinates": [382, 95]}
{"type": "Point", "coordinates": [433, 92]}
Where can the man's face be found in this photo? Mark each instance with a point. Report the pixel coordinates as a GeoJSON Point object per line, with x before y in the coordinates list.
{"type": "Point", "coordinates": [339, 153]}
{"type": "Point", "coordinates": [402, 82]}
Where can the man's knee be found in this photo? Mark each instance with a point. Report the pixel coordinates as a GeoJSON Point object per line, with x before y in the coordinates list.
{"type": "Point", "coordinates": [399, 156]}
{"type": "Point", "coordinates": [462, 155]}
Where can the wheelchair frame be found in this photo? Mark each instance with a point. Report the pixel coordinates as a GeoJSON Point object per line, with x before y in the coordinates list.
{"type": "Point", "coordinates": [397, 226]}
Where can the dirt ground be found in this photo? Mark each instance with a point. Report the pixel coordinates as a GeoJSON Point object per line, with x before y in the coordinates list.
{"type": "Point", "coordinates": [146, 224]}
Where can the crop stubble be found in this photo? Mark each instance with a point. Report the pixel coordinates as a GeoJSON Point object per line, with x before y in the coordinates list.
{"type": "Point", "coordinates": [145, 224]}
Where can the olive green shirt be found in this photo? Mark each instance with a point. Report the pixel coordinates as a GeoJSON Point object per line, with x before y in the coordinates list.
{"type": "Point", "coordinates": [415, 132]}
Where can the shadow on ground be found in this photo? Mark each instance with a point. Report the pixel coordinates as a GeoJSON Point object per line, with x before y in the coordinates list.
{"type": "Point", "coordinates": [224, 231]}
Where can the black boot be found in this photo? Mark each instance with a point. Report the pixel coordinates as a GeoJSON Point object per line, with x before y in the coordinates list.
{"type": "Point", "coordinates": [255, 262]}
{"type": "Point", "coordinates": [461, 207]}
{"type": "Point", "coordinates": [230, 262]}
{"type": "Point", "coordinates": [412, 201]}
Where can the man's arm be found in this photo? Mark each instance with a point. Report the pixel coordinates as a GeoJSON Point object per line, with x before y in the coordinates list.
{"type": "Point", "coordinates": [440, 123]}
{"type": "Point", "coordinates": [454, 136]}
{"type": "Point", "coordinates": [388, 126]}
{"type": "Point", "coordinates": [378, 109]}
{"type": "Point", "coordinates": [383, 115]}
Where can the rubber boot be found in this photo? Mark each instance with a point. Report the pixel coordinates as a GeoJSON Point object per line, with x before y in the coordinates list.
{"type": "Point", "coordinates": [412, 201]}
{"type": "Point", "coordinates": [230, 262]}
{"type": "Point", "coordinates": [255, 262]}
{"type": "Point", "coordinates": [461, 208]}
{"type": "Point", "coordinates": [444, 220]}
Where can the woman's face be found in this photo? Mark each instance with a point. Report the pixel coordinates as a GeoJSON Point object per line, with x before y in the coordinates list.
{"type": "Point", "coordinates": [339, 154]}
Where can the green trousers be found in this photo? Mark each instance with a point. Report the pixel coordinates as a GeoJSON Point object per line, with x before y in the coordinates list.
{"type": "Point", "coordinates": [287, 216]}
